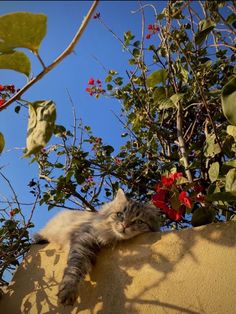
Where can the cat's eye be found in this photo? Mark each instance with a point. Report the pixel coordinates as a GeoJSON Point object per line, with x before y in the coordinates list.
{"type": "Point", "coordinates": [120, 215]}
{"type": "Point", "coordinates": [139, 221]}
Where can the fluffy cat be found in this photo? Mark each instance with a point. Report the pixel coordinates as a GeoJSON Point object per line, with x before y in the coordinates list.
{"type": "Point", "coordinates": [87, 232]}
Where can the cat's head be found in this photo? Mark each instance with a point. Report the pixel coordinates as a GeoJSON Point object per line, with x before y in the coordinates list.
{"type": "Point", "coordinates": [128, 218]}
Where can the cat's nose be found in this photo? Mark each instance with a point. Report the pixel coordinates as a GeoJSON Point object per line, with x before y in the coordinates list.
{"type": "Point", "coordinates": [125, 225]}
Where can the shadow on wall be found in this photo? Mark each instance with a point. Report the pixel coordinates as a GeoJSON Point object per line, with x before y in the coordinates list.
{"type": "Point", "coordinates": [143, 275]}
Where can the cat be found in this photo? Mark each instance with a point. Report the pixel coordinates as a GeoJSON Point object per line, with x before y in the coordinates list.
{"type": "Point", "coordinates": [87, 232]}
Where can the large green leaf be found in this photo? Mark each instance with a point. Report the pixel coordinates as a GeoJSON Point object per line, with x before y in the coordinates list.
{"type": "Point", "coordinates": [214, 171]}
{"type": "Point", "coordinates": [228, 165]}
{"type": "Point", "coordinates": [204, 28]}
{"type": "Point", "coordinates": [17, 61]}
{"type": "Point", "coordinates": [231, 130]}
{"type": "Point", "coordinates": [42, 116]}
{"type": "Point", "coordinates": [222, 196]}
{"type": "Point", "coordinates": [2, 142]}
{"type": "Point", "coordinates": [228, 101]}
{"type": "Point", "coordinates": [160, 99]}
{"type": "Point", "coordinates": [211, 148]}
{"type": "Point", "coordinates": [202, 216]}
{"type": "Point", "coordinates": [230, 181]}
{"type": "Point", "coordinates": [22, 29]}
{"type": "Point", "coordinates": [157, 77]}
{"type": "Point", "coordinates": [176, 98]}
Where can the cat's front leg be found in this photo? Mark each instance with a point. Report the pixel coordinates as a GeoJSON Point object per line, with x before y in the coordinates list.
{"type": "Point", "coordinates": [82, 254]}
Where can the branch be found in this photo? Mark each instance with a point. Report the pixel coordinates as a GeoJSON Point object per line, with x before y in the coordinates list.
{"type": "Point", "coordinates": [64, 54]}
{"type": "Point", "coordinates": [179, 122]}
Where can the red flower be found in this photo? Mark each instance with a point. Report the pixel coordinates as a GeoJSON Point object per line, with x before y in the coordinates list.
{"type": "Point", "coordinates": [118, 162]}
{"type": "Point", "coordinates": [148, 36]}
{"type": "Point", "coordinates": [198, 188]}
{"type": "Point", "coordinates": [185, 199]}
{"type": "Point", "coordinates": [2, 102]}
{"type": "Point", "coordinates": [11, 88]}
{"type": "Point", "coordinates": [182, 209]}
{"type": "Point", "coordinates": [156, 28]}
{"type": "Point", "coordinates": [159, 201]}
{"type": "Point", "coordinates": [91, 81]}
{"type": "Point", "coordinates": [160, 204]}
{"type": "Point", "coordinates": [153, 28]}
{"type": "Point", "coordinates": [175, 175]}
{"type": "Point", "coordinates": [88, 89]}
{"type": "Point", "coordinates": [1, 88]}
{"type": "Point", "coordinates": [174, 215]}
{"type": "Point", "coordinates": [98, 81]}
{"type": "Point", "coordinates": [167, 181]}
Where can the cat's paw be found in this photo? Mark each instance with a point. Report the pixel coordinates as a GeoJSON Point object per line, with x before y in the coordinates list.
{"type": "Point", "coordinates": [67, 293]}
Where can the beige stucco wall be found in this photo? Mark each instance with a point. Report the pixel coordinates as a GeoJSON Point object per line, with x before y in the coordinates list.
{"type": "Point", "coordinates": [190, 271]}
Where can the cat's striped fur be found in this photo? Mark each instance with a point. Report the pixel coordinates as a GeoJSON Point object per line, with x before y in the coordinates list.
{"type": "Point", "coordinates": [87, 232]}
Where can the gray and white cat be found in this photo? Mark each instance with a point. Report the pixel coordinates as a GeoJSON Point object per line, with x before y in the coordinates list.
{"type": "Point", "coordinates": [87, 232]}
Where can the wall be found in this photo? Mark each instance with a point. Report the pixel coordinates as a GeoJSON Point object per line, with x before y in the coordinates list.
{"type": "Point", "coordinates": [189, 271]}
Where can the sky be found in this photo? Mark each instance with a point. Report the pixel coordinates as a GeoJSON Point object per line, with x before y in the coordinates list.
{"type": "Point", "coordinates": [96, 50]}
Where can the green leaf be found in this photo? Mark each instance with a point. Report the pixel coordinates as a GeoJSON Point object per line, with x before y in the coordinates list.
{"type": "Point", "coordinates": [202, 216]}
{"type": "Point", "coordinates": [230, 181]}
{"type": "Point", "coordinates": [17, 109]}
{"type": "Point", "coordinates": [2, 142]}
{"type": "Point", "coordinates": [228, 102]}
{"type": "Point", "coordinates": [176, 98]}
{"type": "Point", "coordinates": [161, 100]}
{"type": "Point", "coordinates": [231, 130]}
{"type": "Point", "coordinates": [22, 29]}
{"type": "Point", "coordinates": [42, 116]}
{"type": "Point", "coordinates": [128, 36]}
{"type": "Point", "coordinates": [108, 149]}
{"type": "Point", "coordinates": [222, 196]}
{"type": "Point", "coordinates": [214, 171]}
{"type": "Point", "coordinates": [211, 148]}
{"type": "Point", "coordinates": [205, 27]}
{"type": "Point", "coordinates": [228, 165]}
{"type": "Point", "coordinates": [157, 77]}
{"type": "Point", "coordinates": [174, 200]}
{"type": "Point", "coordinates": [181, 180]}
{"type": "Point", "coordinates": [17, 61]}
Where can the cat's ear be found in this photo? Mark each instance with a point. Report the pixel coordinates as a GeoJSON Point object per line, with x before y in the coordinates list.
{"type": "Point", "coordinates": [120, 196]}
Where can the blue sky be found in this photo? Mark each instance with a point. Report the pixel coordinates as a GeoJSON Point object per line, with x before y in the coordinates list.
{"type": "Point", "coordinates": [97, 46]}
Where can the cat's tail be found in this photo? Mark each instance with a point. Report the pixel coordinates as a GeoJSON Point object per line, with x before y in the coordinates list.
{"type": "Point", "coordinates": [39, 239]}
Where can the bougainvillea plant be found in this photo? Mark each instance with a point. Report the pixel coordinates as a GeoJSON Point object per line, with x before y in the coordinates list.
{"type": "Point", "coordinates": [175, 196]}
{"type": "Point", "coordinates": [95, 87]}
{"type": "Point", "coordinates": [6, 92]}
